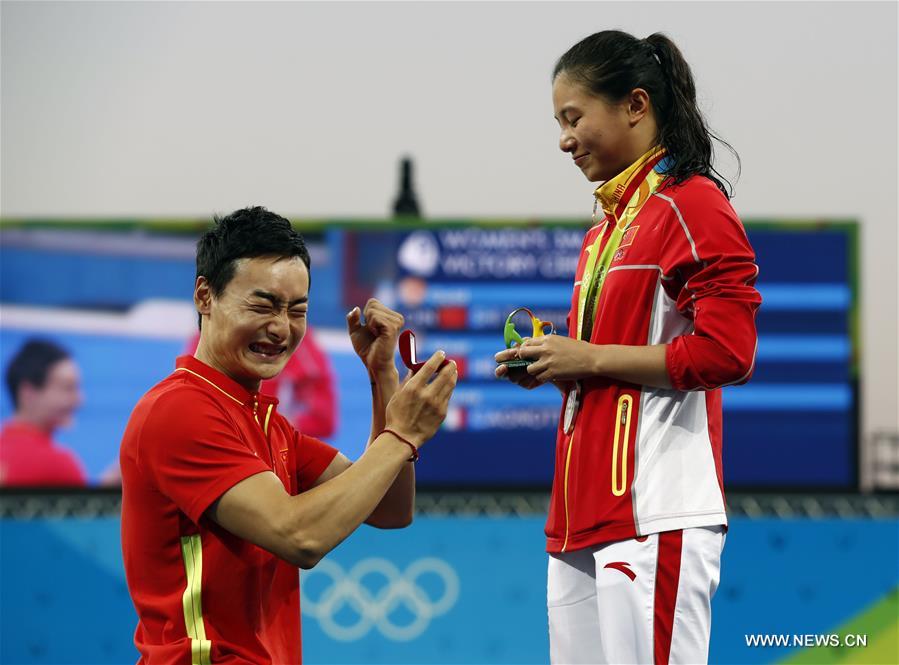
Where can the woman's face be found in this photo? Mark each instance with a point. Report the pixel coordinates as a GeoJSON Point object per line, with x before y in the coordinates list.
{"type": "Point", "coordinates": [597, 133]}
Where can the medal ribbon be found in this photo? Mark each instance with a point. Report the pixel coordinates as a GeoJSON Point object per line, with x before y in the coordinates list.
{"type": "Point", "coordinates": [622, 198]}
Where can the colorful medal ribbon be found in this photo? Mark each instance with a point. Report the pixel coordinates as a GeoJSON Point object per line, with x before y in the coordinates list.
{"type": "Point", "coordinates": [622, 198]}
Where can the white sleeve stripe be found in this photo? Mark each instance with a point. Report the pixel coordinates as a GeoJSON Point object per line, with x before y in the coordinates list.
{"type": "Point", "coordinates": [642, 267]}
{"type": "Point", "coordinates": [682, 223]}
{"type": "Point", "coordinates": [636, 267]}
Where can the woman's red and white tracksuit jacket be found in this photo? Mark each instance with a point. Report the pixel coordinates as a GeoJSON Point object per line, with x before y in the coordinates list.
{"type": "Point", "coordinates": [642, 460]}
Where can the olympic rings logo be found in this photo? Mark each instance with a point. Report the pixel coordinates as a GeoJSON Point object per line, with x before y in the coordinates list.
{"type": "Point", "coordinates": [394, 591]}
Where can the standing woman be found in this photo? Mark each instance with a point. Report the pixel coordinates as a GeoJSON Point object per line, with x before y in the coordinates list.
{"type": "Point", "coordinates": [662, 317]}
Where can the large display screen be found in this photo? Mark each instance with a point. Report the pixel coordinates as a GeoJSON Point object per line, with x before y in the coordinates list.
{"type": "Point", "coordinates": [117, 298]}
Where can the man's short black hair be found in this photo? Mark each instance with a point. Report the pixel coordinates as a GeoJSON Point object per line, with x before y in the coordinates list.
{"type": "Point", "coordinates": [245, 233]}
{"type": "Point", "coordinates": [31, 365]}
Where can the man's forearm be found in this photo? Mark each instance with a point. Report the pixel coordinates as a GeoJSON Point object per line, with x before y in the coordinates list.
{"type": "Point", "coordinates": [396, 508]}
{"type": "Point", "coordinates": [383, 387]}
{"type": "Point", "coordinates": [303, 528]}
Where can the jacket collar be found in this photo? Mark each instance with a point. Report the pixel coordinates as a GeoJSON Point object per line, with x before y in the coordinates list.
{"type": "Point", "coordinates": [615, 195]}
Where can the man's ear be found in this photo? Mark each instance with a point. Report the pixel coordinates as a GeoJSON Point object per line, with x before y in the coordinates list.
{"type": "Point", "coordinates": [202, 296]}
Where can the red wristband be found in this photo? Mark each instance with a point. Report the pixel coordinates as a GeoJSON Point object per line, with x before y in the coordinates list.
{"type": "Point", "coordinates": [414, 457]}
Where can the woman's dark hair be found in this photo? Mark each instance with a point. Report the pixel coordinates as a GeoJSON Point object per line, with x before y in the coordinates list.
{"type": "Point", "coordinates": [31, 365]}
{"type": "Point", "coordinates": [611, 63]}
{"type": "Point", "coordinates": [246, 233]}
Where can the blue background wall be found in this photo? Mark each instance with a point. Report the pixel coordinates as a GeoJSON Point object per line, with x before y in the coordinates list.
{"type": "Point", "coordinates": [477, 597]}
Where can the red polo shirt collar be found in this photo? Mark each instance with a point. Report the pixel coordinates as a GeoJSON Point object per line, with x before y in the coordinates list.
{"type": "Point", "coordinates": [222, 382]}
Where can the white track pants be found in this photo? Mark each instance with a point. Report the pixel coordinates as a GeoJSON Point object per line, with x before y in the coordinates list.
{"type": "Point", "coordinates": [635, 601]}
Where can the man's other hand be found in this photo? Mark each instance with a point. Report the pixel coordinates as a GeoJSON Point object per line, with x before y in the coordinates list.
{"type": "Point", "coordinates": [374, 332]}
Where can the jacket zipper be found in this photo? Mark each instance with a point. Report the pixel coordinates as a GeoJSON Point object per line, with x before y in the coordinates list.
{"type": "Point", "coordinates": [620, 444]}
{"type": "Point", "coordinates": [565, 487]}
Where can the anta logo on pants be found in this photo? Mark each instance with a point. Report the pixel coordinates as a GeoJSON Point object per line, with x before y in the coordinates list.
{"type": "Point", "coordinates": [624, 567]}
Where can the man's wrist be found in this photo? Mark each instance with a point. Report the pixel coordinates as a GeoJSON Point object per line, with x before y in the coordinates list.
{"type": "Point", "coordinates": [383, 376]}
{"type": "Point", "coordinates": [413, 444]}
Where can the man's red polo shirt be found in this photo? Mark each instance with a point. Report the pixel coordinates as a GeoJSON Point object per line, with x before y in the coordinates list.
{"type": "Point", "coordinates": [202, 594]}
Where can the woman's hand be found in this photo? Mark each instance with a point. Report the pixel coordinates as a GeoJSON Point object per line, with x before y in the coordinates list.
{"type": "Point", "coordinates": [558, 358]}
{"type": "Point", "coordinates": [517, 375]}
